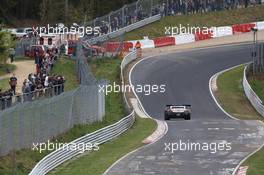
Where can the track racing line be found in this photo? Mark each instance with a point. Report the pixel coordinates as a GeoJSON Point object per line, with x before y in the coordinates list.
{"type": "Point", "coordinates": [186, 76]}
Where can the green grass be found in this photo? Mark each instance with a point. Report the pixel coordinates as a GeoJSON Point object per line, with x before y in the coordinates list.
{"type": "Point", "coordinates": [220, 18]}
{"type": "Point", "coordinates": [96, 162]}
{"type": "Point", "coordinates": [6, 68]}
{"type": "Point", "coordinates": [231, 95]}
{"type": "Point", "coordinates": [4, 84]}
{"type": "Point", "coordinates": [255, 163]}
{"type": "Point", "coordinates": [26, 159]}
{"type": "Point", "coordinates": [66, 67]}
{"type": "Point", "coordinates": [257, 84]}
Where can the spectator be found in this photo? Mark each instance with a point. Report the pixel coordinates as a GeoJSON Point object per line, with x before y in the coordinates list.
{"type": "Point", "coordinates": [12, 54]}
{"type": "Point", "coordinates": [13, 84]}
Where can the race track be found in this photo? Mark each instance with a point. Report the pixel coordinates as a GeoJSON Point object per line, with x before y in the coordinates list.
{"type": "Point", "coordinates": [186, 76]}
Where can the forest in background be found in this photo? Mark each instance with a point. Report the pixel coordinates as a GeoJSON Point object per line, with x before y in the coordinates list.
{"type": "Point", "coordinates": [25, 13]}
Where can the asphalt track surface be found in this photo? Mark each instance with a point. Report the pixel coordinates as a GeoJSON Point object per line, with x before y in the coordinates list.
{"type": "Point", "coordinates": [186, 76]}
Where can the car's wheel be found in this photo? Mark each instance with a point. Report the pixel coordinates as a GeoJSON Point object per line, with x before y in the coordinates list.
{"type": "Point", "coordinates": [187, 117]}
{"type": "Point", "coordinates": [166, 117]}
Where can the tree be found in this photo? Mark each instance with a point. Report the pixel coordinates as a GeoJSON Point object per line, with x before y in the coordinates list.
{"type": "Point", "coordinates": [6, 42]}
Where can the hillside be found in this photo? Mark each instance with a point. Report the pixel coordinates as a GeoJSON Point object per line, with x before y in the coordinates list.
{"type": "Point", "coordinates": [210, 19]}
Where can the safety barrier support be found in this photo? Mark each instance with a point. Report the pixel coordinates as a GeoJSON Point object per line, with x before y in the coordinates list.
{"type": "Point", "coordinates": [251, 95]}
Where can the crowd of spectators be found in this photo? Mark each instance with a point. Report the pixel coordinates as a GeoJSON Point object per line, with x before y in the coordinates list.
{"type": "Point", "coordinates": [137, 12]}
{"type": "Point", "coordinates": [37, 85]}
{"type": "Point", "coordinates": [178, 7]}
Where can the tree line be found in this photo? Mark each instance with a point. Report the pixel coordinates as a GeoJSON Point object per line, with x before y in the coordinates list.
{"type": "Point", "coordinates": [22, 13]}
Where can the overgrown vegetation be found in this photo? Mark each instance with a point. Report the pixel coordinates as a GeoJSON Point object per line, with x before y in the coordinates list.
{"type": "Point", "coordinates": [27, 13]}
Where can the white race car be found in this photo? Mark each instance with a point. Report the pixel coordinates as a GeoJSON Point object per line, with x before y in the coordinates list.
{"type": "Point", "coordinates": [177, 111]}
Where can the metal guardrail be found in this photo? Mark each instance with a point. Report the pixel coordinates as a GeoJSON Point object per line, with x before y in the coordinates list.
{"type": "Point", "coordinates": [126, 60]}
{"type": "Point", "coordinates": [251, 95]}
{"type": "Point", "coordinates": [121, 31]}
{"type": "Point", "coordinates": [103, 135]}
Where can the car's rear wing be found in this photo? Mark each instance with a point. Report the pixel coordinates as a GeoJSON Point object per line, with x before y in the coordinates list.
{"type": "Point", "coordinates": [187, 106]}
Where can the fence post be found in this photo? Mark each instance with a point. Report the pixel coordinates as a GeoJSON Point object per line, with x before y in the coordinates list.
{"type": "Point", "coordinates": [123, 16]}
{"type": "Point", "coordinates": [109, 22]}
{"type": "Point", "coordinates": [151, 8]}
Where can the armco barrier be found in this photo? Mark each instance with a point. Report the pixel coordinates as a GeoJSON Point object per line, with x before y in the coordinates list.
{"type": "Point", "coordinates": [126, 60]}
{"type": "Point", "coordinates": [203, 35]}
{"type": "Point", "coordinates": [164, 41]}
{"type": "Point", "coordinates": [251, 95]}
{"type": "Point", "coordinates": [260, 25]}
{"type": "Point", "coordinates": [121, 31]}
{"type": "Point", "coordinates": [184, 38]}
{"type": "Point", "coordinates": [61, 155]}
{"type": "Point", "coordinates": [243, 28]}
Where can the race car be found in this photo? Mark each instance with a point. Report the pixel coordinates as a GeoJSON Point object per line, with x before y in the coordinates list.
{"type": "Point", "coordinates": [177, 111]}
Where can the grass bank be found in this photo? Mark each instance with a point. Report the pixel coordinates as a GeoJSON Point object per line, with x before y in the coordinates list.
{"type": "Point", "coordinates": [255, 163]}
{"type": "Point", "coordinates": [257, 84]}
{"type": "Point", "coordinates": [4, 84]}
{"type": "Point", "coordinates": [231, 96]}
{"type": "Point", "coordinates": [21, 162]}
{"type": "Point", "coordinates": [95, 163]}
{"type": "Point", "coordinates": [66, 67]}
{"type": "Point", "coordinates": [220, 18]}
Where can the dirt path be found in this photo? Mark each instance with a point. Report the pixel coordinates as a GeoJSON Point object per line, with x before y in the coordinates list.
{"type": "Point", "coordinates": [23, 68]}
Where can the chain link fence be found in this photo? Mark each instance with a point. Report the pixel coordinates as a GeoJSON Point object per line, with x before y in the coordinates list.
{"type": "Point", "coordinates": [38, 121]}
{"type": "Point", "coordinates": [143, 9]}
{"type": "Point", "coordinates": [8, 100]}
{"type": "Point", "coordinates": [23, 45]}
